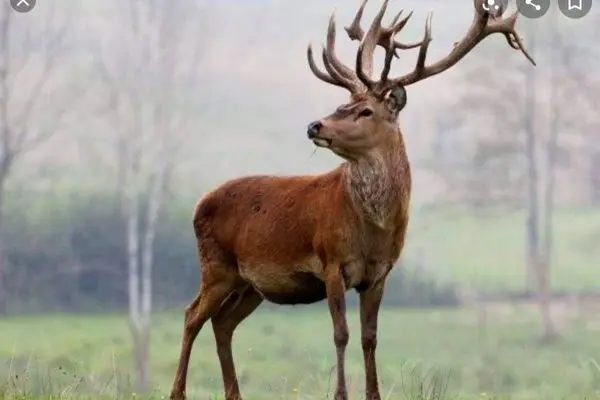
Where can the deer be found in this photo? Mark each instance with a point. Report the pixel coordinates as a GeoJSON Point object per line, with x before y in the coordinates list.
{"type": "Point", "coordinates": [296, 240]}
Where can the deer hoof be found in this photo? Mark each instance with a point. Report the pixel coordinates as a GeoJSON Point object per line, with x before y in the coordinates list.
{"type": "Point", "coordinates": [177, 396]}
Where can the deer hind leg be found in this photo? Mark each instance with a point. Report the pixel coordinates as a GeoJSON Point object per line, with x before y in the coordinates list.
{"type": "Point", "coordinates": [232, 313]}
{"type": "Point", "coordinates": [213, 292]}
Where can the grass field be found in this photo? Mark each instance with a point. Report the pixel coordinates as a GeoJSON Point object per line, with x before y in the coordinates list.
{"type": "Point", "coordinates": [288, 354]}
{"type": "Point", "coordinates": [488, 251]}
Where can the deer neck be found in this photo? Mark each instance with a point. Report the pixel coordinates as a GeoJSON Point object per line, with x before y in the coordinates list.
{"type": "Point", "coordinates": [375, 183]}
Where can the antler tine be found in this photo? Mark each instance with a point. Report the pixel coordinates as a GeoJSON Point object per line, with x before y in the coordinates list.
{"type": "Point", "coordinates": [364, 56]}
{"type": "Point", "coordinates": [484, 24]}
{"type": "Point", "coordinates": [507, 27]}
{"type": "Point", "coordinates": [317, 72]}
{"type": "Point", "coordinates": [352, 85]}
{"type": "Point", "coordinates": [364, 78]}
{"type": "Point", "coordinates": [397, 27]}
{"type": "Point", "coordinates": [391, 50]}
{"type": "Point", "coordinates": [495, 16]}
{"type": "Point", "coordinates": [338, 73]}
{"type": "Point", "coordinates": [345, 72]}
{"type": "Point", "coordinates": [420, 66]}
{"type": "Point", "coordinates": [395, 20]}
{"type": "Point", "coordinates": [354, 30]}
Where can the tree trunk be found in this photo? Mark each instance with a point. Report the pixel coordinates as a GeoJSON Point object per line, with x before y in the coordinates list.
{"type": "Point", "coordinates": [139, 324]}
{"type": "Point", "coordinates": [133, 240]}
{"type": "Point", "coordinates": [544, 301]}
{"type": "Point", "coordinates": [5, 145]}
{"type": "Point", "coordinates": [538, 268]}
{"type": "Point", "coordinates": [549, 331]}
{"type": "Point", "coordinates": [532, 221]}
{"type": "Point", "coordinates": [4, 295]}
{"type": "Point", "coordinates": [140, 332]}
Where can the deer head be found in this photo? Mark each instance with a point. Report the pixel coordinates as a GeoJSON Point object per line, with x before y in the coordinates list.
{"type": "Point", "coordinates": [368, 122]}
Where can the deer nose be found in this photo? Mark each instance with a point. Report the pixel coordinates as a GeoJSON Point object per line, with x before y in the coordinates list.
{"type": "Point", "coordinates": [314, 128]}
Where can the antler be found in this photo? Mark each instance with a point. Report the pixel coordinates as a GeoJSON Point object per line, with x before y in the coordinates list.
{"type": "Point", "coordinates": [484, 24]}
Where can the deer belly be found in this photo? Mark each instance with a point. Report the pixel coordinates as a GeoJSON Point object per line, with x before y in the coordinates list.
{"type": "Point", "coordinates": [282, 285]}
{"type": "Point", "coordinates": [302, 288]}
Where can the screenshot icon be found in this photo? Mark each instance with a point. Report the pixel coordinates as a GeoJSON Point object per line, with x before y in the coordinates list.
{"type": "Point", "coordinates": [495, 7]}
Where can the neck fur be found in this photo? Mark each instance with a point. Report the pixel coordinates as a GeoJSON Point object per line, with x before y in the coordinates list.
{"type": "Point", "coordinates": [374, 184]}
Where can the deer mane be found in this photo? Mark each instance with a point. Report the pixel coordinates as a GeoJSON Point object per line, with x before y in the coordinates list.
{"type": "Point", "coordinates": [376, 183]}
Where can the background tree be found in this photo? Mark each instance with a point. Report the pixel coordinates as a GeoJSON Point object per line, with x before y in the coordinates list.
{"type": "Point", "coordinates": [148, 101]}
{"type": "Point", "coordinates": [35, 97]}
{"type": "Point", "coordinates": [513, 163]}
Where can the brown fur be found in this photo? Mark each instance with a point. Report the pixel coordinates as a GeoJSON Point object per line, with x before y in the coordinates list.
{"type": "Point", "coordinates": [277, 234]}
{"type": "Point", "coordinates": [302, 239]}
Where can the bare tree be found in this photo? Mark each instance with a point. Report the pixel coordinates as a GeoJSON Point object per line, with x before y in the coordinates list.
{"type": "Point", "coordinates": [35, 95]}
{"type": "Point", "coordinates": [542, 199]}
{"type": "Point", "coordinates": [532, 247]}
{"type": "Point", "coordinates": [537, 256]}
{"type": "Point", "coordinates": [523, 141]}
{"type": "Point", "coordinates": [147, 84]}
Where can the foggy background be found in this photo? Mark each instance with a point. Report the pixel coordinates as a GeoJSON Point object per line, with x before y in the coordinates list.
{"type": "Point", "coordinates": [116, 116]}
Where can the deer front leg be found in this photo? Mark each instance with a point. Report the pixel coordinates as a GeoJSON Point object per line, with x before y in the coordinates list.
{"type": "Point", "coordinates": [336, 300]}
{"type": "Point", "coordinates": [370, 300]}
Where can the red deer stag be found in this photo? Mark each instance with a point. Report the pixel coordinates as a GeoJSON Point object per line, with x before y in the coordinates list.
{"type": "Point", "coordinates": [299, 240]}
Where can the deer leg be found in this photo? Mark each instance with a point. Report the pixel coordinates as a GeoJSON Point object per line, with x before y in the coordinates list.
{"type": "Point", "coordinates": [336, 300]}
{"type": "Point", "coordinates": [234, 311]}
{"type": "Point", "coordinates": [370, 300]}
{"type": "Point", "coordinates": [207, 303]}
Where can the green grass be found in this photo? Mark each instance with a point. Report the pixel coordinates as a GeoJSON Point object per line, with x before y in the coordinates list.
{"type": "Point", "coordinates": [288, 354]}
{"type": "Point", "coordinates": [488, 251]}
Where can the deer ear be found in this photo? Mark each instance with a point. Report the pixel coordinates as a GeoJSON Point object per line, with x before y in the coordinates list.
{"type": "Point", "coordinates": [395, 99]}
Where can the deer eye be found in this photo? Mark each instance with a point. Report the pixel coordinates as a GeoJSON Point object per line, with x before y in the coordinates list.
{"type": "Point", "coordinates": [367, 112]}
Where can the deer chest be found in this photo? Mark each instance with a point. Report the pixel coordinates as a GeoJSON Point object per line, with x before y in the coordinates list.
{"type": "Point", "coordinates": [372, 258]}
